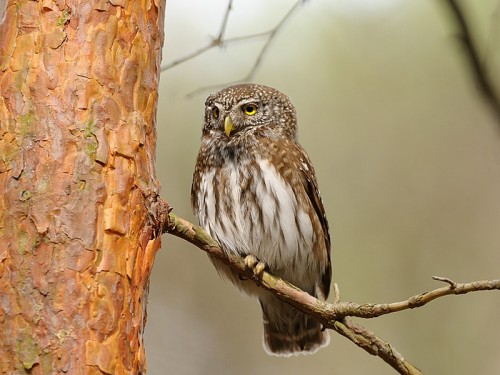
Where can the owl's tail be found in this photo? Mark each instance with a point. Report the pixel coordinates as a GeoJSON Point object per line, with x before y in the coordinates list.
{"type": "Point", "coordinates": [289, 332]}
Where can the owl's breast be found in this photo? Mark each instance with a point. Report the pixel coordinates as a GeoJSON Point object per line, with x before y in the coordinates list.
{"type": "Point", "coordinates": [250, 209]}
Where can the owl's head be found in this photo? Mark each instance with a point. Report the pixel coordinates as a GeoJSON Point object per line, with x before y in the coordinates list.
{"type": "Point", "coordinates": [249, 109]}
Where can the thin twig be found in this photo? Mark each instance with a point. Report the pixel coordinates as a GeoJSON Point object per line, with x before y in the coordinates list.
{"type": "Point", "coordinates": [372, 310]}
{"type": "Point", "coordinates": [192, 55]}
{"type": "Point", "coordinates": [215, 42]}
{"type": "Point", "coordinates": [333, 316]}
{"type": "Point", "coordinates": [272, 35]}
{"type": "Point", "coordinates": [223, 26]}
{"type": "Point", "coordinates": [478, 70]}
{"type": "Point", "coordinates": [220, 41]}
{"type": "Point", "coordinates": [453, 284]}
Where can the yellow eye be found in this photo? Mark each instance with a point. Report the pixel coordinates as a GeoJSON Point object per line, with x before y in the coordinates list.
{"type": "Point", "coordinates": [215, 112]}
{"type": "Point", "coordinates": [250, 109]}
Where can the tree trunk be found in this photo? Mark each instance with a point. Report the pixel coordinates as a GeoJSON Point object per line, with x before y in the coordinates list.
{"type": "Point", "coordinates": [78, 95]}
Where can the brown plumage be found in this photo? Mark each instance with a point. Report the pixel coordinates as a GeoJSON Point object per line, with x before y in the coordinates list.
{"type": "Point", "coordinates": [254, 190]}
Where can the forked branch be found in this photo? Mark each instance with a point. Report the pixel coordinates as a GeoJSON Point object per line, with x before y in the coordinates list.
{"type": "Point", "coordinates": [332, 315]}
{"type": "Point", "coordinates": [220, 40]}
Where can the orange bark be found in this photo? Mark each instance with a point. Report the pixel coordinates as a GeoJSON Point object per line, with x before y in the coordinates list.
{"type": "Point", "coordinates": [78, 95]}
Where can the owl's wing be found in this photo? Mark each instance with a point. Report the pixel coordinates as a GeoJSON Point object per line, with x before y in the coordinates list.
{"type": "Point", "coordinates": [312, 190]}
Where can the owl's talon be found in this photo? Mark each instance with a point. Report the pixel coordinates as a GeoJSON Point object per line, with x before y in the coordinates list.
{"type": "Point", "coordinates": [255, 266]}
{"type": "Point", "coordinates": [259, 269]}
{"type": "Point", "coordinates": [250, 261]}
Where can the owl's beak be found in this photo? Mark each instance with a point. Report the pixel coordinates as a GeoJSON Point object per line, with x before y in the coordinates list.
{"type": "Point", "coordinates": [228, 125]}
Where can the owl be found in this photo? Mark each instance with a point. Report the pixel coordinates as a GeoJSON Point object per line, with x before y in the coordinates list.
{"type": "Point", "coordinates": [254, 190]}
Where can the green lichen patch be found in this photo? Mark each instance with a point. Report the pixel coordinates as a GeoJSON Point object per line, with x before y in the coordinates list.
{"type": "Point", "coordinates": [27, 349]}
{"type": "Point", "coordinates": [63, 18]}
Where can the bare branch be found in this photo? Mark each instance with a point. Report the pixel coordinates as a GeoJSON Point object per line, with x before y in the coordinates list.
{"type": "Point", "coordinates": [272, 34]}
{"type": "Point", "coordinates": [491, 39]}
{"type": "Point", "coordinates": [453, 284]}
{"type": "Point", "coordinates": [366, 340]}
{"type": "Point", "coordinates": [478, 70]}
{"type": "Point", "coordinates": [323, 311]}
{"type": "Point", "coordinates": [223, 26]}
{"type": "Point", "coordinates": [192, 55]}
{"type": "Point", "coordinates": [333, 316]}
{"type": "Point", "coordinates": [215, 42]}
{"type": "Point", "coordinates": [294, 296]}
{"type": "Point", "coordinates": [219, 41]}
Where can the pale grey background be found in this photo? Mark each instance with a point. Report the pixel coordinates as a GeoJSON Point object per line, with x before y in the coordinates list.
{"type": "Point", "coordinates": [408, 161]}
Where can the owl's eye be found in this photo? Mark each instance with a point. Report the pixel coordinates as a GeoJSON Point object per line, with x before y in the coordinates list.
{"type": "Point", "coordinates": [215, 112]}
{"type": "Point", "coordinates": [250, 109]}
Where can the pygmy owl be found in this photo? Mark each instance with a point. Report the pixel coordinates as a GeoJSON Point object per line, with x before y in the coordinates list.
{"type": "Point", "coordinates": [254, 190]}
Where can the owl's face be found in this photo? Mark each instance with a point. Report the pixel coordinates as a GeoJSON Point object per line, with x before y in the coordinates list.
{"type": "Point", "coordinates": [240, 111]}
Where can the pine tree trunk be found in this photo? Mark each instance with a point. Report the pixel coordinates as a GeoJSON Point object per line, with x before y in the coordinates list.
{"type": "Point", "coordinates": [78, 96]}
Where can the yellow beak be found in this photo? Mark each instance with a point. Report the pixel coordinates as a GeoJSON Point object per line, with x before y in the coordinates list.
{"type": "Point", "coordinates": [228, 125]}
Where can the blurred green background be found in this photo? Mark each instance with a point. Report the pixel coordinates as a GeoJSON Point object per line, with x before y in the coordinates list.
{"type": "Point", "coordinates": [408, 160]}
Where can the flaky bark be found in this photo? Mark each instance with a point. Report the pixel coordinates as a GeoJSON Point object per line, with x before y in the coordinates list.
{"type": "Point", "coordinates": [78, 84]}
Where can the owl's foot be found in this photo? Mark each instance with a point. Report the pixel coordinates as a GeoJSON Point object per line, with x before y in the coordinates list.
{"type": "Point", "coordinates": [255, 266]}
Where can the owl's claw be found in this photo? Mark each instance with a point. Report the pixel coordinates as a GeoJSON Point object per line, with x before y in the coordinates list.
{"type": "Point", "coordinates": [255, 266]}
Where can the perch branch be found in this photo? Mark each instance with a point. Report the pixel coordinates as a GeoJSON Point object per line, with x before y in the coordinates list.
{"type": "Point", "coordinates": [478, 70]}
{"type": "Point", "coordinates": [323, 311]}
{"type": "Point", "coordinates": [333, 316]}
{"type": "Point", "coordinates": [294, 296]}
